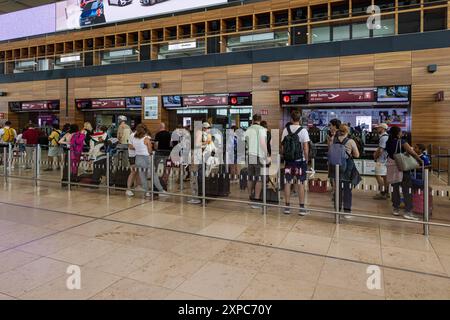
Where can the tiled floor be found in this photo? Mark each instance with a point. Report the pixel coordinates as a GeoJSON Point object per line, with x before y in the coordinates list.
{"type": "Point", "coordinates": [166, 249]}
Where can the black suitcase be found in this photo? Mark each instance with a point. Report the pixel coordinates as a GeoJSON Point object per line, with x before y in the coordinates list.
{"type": "Point", "coordinates": [243, 178]}
{"type": "Point", "coordinates": [119, 177]}
{"type": "Point", "coordinates": [272, 194]}
{"type": "Point", "coordinates": [217, 185]}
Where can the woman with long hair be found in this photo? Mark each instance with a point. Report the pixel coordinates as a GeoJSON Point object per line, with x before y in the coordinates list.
{"type": "Point", "coordinates": [142, 146]}
{"type": "Point", "coordinates": [395, 145]}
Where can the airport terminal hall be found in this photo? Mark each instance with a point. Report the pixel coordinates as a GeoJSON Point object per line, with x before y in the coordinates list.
{"type": "Point", "coordinates": [224, 158]}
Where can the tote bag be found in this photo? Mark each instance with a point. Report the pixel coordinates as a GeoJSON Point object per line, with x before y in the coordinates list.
{"type": "Point", "coordinates": [404, 161]}
{"type": "Point", "coordinates": [394, 175]}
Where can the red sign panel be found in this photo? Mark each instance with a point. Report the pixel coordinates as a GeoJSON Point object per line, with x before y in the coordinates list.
{"type": "Point", "coordinates": [39, 105]}
{"type": "Point", "coordinates": [108, 104]}
{"type": "Point", "coordinates": [2, 115]}
{"type": "Point", "coordinates": [193, 101]}
{"type": "Point", "coordinates": [341, 96]}
{"type": "Point", "coordinates": [29, 106]}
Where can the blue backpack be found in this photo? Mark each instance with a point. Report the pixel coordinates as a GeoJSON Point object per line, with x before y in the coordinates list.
{"type": "Point", "coordinates": [337, 155]}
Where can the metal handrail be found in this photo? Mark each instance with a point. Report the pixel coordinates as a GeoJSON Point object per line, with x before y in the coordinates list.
{"type": "Point", "coordinates": [202, 194]}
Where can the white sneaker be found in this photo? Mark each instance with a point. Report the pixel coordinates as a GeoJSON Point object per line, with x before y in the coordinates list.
{"type": "Point", "coordinates": [194, 201]}
{"type": "Point", "coordinates": [348, 216]}
{"type": "Point", "coordinates": [148, 194]}
{"type": "Point", "coordinates": [139, 189]}
{"type": "Point", "coordinates": [129, 193]}
{"type": "Point", "coordinates": [256, 206]}
{"type": "Point", "coordinates": [287, 211]}
{"type": "Point", "coordinates": [303, 212]}
{"type": "Point", "coordinates": [396, 212]}
{"type": "Point", "coordinates": [410, 216]}
{"type": "Point", "coordinates": [163, 195]}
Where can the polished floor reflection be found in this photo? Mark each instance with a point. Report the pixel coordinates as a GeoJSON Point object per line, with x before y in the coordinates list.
{"type": "Point", "coordinates": [132, 248]}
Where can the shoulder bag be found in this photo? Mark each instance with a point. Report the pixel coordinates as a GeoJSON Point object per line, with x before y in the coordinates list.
{"type": "Point", "coordinates": [404, 160]}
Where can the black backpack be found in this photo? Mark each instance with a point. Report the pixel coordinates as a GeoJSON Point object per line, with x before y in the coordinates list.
{"type": "Point", "coordinates": [292, 148]}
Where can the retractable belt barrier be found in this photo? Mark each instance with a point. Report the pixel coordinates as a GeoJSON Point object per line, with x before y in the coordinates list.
{"type": "Point", "coordinates": [204, 183]}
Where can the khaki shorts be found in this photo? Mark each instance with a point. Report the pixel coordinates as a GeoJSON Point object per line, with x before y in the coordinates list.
{"type": "Point", "coordinates": [380, 169]}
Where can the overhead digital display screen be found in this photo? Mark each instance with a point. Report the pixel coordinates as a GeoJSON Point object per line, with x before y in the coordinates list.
{"type": "Point", "coordinates": [73, 14]}
{"type": "Point", "coordinates": [109, 103]}
{"type": "Point", "coordinates": [341, 96]}
{"type": "Point", "coordinates": [29, 22]}
{"type": "Point", "coordinates": [240, 99]}
{"type": "Point", "coordinates": [76, 14]}
{"type": "Point", "coordinates": [172, 102]}
{"type": "Point", "coordinates": [393, 94]}
{"type": "Point", "coordinates": [293, 97]}
{"type": "Point", "coordinates": [34, 106]}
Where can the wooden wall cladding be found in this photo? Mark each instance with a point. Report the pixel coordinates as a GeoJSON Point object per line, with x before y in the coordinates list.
{"type": "Point", "coordinates": [429, 118]}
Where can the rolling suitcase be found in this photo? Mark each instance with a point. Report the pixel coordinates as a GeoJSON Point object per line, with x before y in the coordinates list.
{"type": "Point", "coordinates": [243, 177]}
{"type": "Point", "coordinates": [272, 193]}
{"type": "Point", "coordinates": [418, 201]}
{"type": "Point", "coordinates": [216, 185]}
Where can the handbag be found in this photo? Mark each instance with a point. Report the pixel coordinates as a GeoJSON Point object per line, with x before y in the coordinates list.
{"type": "Point", "coordinates": [404, 161]}
{"type": "Point", "coordinates": [394, 175]}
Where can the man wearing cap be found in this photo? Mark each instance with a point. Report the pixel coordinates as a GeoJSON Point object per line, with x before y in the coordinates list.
{"type": "Point", "coordinates": [380, 157]}
{"type": "Point", "coordinates": [124, 131]}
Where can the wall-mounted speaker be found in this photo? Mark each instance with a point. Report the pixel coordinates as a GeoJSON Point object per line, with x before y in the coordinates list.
{"type": "Point", "coordinates": [2, 94]}
{"type": "Point", "coordinates": [432, 68]}
{"type": "Point", "coordinates": [143, 85]}
{"type": "Point", "coordinates": [265, 79]}
{"type": "Point", "coordinates": [155, 85]}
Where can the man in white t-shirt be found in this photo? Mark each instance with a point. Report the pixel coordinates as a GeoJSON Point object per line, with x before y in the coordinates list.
{"type": "Point", "coordinates": [296, 163]}
{"type": "Point", "coordinates": [256, 141]}
{"type": "Point", "coordinates": [380, 157]}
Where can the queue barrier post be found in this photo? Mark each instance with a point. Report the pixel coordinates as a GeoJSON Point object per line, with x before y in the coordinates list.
{"type": "Point", "coordinates": [264, 190]}
{"type": "Point", "coordinates": [36, 164]}
{"type": "Point", "coordinates": [337, 193]}
{"type": "Point", "coordinates": [439, 161]}
{"type": "Point", "coordinates": [152, 174]}
{"type": "Point", "coordinates": [108, 174]}
{"type": "Point", "coordinates": [279, 177]}
{"type": "Point", "coordinates": [426, 205]}
{"type": "Point", "coordinates": [448, 168]}
{"type": "Point", "coordinates": [10, 157]}
{"type": "Point", "coordinates": [203, 181]}
{"type": "Point", "coordinates": [69, 168]}
{"type": "Point", "coordinates": [5, 164]}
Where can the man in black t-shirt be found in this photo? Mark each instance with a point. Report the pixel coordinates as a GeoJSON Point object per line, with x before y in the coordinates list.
{"type": "Point", "coordinates": [163, 138]}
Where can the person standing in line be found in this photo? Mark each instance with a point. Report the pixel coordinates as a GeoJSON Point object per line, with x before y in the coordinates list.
{"type": "Point", "coordinates": [395, 145]}
{"type": "Point", "coordinates": [77, 141]}
{"type": "Point", "coordinates": [295, 149]}
{"type": "Point", "coordinates": [256, 140]}
{"type": "Point", "coordinates": [7, 133]}
{"type": "Point", "coordinates": [88, 131]}
{"type": "Point", "coordinates": [352, 152]}
{"type": "Point", "coordinates": [142, 146]}
{"type": "Point", "coordinates": [124, 130]}
{"type": "Point", "coordinates": [163, 138]}
{"type": "Point", "coordinates": [31, 135]}
{"type": "Point", "coordinates": [201, 140]}
{"type": "Point", "coordinates": [333, 128]}
{"type": "Point", "coordinates": [54, 150]}
{"type": "Point", "coordinates": [133, 178]}
{"type": "Point", "coordinates": [234, 167]}
{"type": "Point", "coordinates": [380, 157]}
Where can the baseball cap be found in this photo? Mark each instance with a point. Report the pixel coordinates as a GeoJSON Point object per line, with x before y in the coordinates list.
{"type": "Point", "coordinates": [382, 125]}
{"type": "Point", "coordinates": [122, 118]}
{"type": "Point", "coordinates": [206, 125]}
